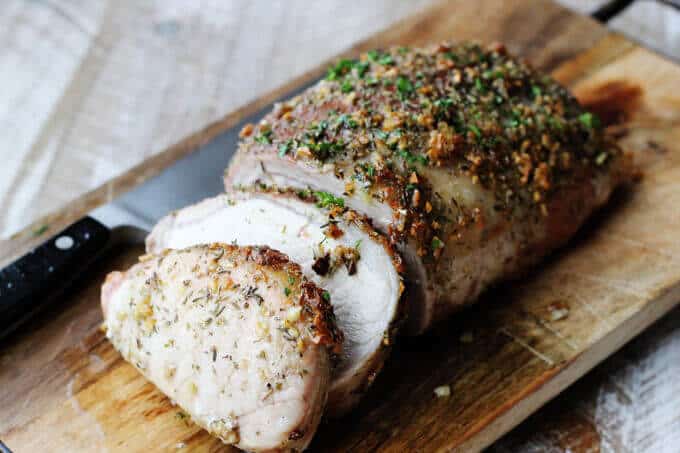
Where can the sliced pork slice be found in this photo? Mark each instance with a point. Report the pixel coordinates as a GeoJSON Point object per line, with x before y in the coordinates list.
{"type": "Point", "coordinates": [235, 335]}
{"type": "Point", "coordinates": [336, 249]}
{"type": "Point", "coordinates": [473, 163]}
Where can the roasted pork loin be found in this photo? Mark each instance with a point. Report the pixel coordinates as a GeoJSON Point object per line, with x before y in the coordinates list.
{"type": "Point", "coordinates": [474, 164]}
{"type": "Point", "coordinates": [236, 336]}
{"type": "Point", "coordinates": [336, 248]}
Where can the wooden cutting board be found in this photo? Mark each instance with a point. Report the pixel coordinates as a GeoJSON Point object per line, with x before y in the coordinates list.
{"type": "Point", "coordinates": [63, 387]}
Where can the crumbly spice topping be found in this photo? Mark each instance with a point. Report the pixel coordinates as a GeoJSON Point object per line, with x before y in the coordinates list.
{"type": "Point", "coordinates": [317, 304]}
{"type": "Point", "coordinates": [308, 318]}
{"type": "Point", "coordinates": [381, 121]}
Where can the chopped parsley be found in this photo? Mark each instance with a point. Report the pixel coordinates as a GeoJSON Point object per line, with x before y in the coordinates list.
{"type": "Point", "coordinates": [347, 121]}
{"type": "Point", "coordinates": [304, 193]}
{"type": "Point", "coordinates": [344, 67]}
{"type": "Point", "coordinates": [555, 123]}
{"type": "Point", "coordinates": [318, 129]}
{"type": "Point", "coordinates": [437, 243]}
{"type": "Point", "coordinates": [412, 158]}
{"type": "Point", "coordinates": [341, 68]}
{"type": "Point", "coordinates": [286, 291]}
{"type": "Point", "coordinates": [479, 86]}
{"type": "Point", "coordinates": [326, 149]}
{"type": "Point", "coordinates": [383, 59]}
{"type": "Point", "coordinates": [328, 200]}
{"type": "Point", "coordinates": [264, 137]}
{"type": "Point", "coordinates": [382, 135]}
{"type": "Point", "coordinates": [361, 68]}
{"type": "Point", "coordinates": [326, 296]}
{"type": "Point", "coordinates": [589, 120]}
{"type": "Point", "coordinates": [404, 86]}
{"type": "Point", "coordinates": [284, 148]}
{"type": "Point", "coordinates": [386, 60]}
{"type": "Point", "coordinates": [346, 86]}
{"type": "Point", "coordinates": [443, 103]}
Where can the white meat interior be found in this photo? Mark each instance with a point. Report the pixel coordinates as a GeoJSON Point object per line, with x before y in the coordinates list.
{"type": "Point", "coordinates": [365, 303]}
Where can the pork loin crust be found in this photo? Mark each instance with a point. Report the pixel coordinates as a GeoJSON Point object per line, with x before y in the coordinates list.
{"type": "Point", "coordinates": [473, 163]}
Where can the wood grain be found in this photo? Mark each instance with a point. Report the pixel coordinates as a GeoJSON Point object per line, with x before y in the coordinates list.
{"type": "Point", "coordinates": [627, 404]}
{"type": "Point", "coordinates": [653, 24]}
{"type": "Point", "coordinates": [503, 358]}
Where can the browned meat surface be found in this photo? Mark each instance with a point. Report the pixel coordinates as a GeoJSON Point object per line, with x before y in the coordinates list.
{"type": "Point", "coordinates": [472, 162]}
{"type": "Point", "coordinates": [236, 336]}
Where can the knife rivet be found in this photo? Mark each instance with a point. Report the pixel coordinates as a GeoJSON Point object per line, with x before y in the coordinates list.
{"type": "Point", "coordinates": [64, 242]}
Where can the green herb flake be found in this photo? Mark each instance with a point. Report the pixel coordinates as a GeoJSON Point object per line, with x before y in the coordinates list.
{"type": "Point", "coordinates": [326, 296]}
{"type": "Point", "coordinates": [286, 291]}
{"type": "Point", "coordinates": [536, 90]}
{"type": "Point", "coordinates": [404, 86]}
{"type": "Point", "coordinates": [479, 86]}
{"type": "Point", "coordinates": [341, 68]}
{"type": "Point", "coordinates": [589, 120]}
{"type": "Point", "coordinates": [437, 243]}
{"type": "Point", "coordinates": [304, 193]}
{"type": "Point", "coordinates": [318, 129]}
{"type": "Point", "coordinates": [382, 135]}
{"type": "Point", "coordinates": [386, 60]}
{"type": "Point", "coordinates": [347, 121]}
{"type": "Point", "coordinates": [284, 148]}
{"type": "Point", "coordinates": [346, 87]}
{"type": "Point", "coordinates": [327, 200]}
{"type": "Point", "coordinates": [475, 130]}
{"type": "Point", "coordinates": [443, 103]}
{"type": "Point", "coordinates": [326, 149]}
{"type": "Point", "coordinates": [361, 68]}
{"type": "Point", "coordinates": [412, 158]}
{"type": "Point", "coordinates": [265, 137]}
{"type": "Point", "coordinates": [555, 123]}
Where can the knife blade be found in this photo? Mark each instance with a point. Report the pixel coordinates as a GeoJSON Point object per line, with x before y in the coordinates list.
{"type": "Point", "coordinates": [28, 284]}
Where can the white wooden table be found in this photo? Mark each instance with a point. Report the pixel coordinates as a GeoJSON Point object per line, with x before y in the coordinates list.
{"type": "Point", "coordinates": [92, 87]}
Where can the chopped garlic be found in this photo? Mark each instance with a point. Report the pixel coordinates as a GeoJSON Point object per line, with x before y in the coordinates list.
{"type": "Point", "coordinates": [293, 314]}
{"type": "Point", "coordinates": [443, 391]}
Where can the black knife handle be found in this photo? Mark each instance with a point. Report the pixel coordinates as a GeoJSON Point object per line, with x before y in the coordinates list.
{"type": "Point", "coordinates": [30, 282]}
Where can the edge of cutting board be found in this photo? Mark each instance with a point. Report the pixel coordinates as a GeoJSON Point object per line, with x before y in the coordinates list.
{"type": "Point", "coordinates": [586, 57]}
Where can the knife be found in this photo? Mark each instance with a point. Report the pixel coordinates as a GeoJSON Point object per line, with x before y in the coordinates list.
{"type": "Point", "coordinates": [31, 282]}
